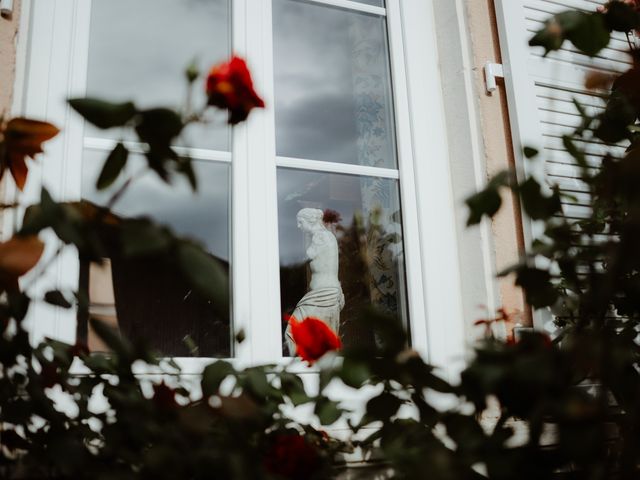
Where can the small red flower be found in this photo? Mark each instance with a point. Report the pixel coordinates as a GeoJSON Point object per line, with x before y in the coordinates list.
{"type": "Point", "coordinates": [292, 457]}
{"type": "Point", "coordinates": [331, 216]}
{"type": "Point", "coordinates": [313, 338]}
{"type": "Point", "coordinates": [79, 349]}
{"type": "Point", "coordinates": [229, 86]}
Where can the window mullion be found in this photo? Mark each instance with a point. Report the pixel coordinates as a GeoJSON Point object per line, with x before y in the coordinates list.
{"type": "Point", "coordinates": [262, 284]}
{"type": "Point", "coordinates": [415, 288]}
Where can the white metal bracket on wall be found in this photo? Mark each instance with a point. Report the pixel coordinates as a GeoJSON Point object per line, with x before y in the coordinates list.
{"type": "Point", "coordinates": [491, 72]}
{"type": "Point", "coordinates": [6, 8]}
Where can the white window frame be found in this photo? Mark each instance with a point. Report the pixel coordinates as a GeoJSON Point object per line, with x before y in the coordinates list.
{"type": "Point", "coordinates": [56, 32]}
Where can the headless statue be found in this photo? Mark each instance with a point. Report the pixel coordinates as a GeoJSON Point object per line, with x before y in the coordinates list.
{"type": "Point", "coordinates": [324, 300]}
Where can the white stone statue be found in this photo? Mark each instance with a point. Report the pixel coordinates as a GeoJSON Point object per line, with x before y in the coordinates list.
{"type": "Point", "coordinates": [325, 299]}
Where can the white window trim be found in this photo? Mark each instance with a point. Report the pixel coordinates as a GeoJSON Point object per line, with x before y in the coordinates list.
{"type": "Point", "coordinates": [432, 266]}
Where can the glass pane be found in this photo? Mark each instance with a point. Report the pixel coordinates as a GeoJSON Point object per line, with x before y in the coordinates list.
{"type": "Point", "coordinates": [332, 85]}
{"type": "Point", "coordinates": [153, 301]}
{"type": "Point", "coordinates": [139, 50]}
{"type": "Point", "coordinates": [341, 250]}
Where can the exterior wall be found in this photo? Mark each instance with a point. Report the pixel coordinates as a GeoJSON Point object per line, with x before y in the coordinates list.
{"type": "Point", "coordinates": [497, 149]}
{"type": "Point", "coordinates": [8, 33]}
{"type": "Point", "coordinates": [479, 142]}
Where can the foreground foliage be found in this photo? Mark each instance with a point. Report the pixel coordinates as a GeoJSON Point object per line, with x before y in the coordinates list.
{"type": "Point", "coordinates": [568, 407]}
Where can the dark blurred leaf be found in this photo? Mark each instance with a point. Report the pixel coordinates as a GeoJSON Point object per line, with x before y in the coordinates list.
{"type": "Point", "coordinates": [204, 272]}
{"type": "Point", "coordinates": [328, 411]}
{"type": "Point", "coordinates": [185, 166]}
{"type": "Point", "coordinates": [537, 286]}
{"type": "Point", "coordinates": [537, 205]}
{"type": "Point", "coordinates": [213, 375]}
{"type": "Point", "coordinates": [103, 114]}
{"type": "Point", "coordinates": [383, 407]}
{"type": "Point", "coordinates": [159, 126]}
{"type": "Point", "coordinates": [530, 152]}
{"type": "Point", "coordinates": [257, 383]}
{"type": "Point", "coordinates": [586, 30]}
{"type": "Point", "coordinates": [354, 372]}
{"type": "Point", "coordinates": [293, 387]}
{"type": "Point", "coordinates": [488, 201]}
{"type": "Point", "coordinates": [574, 151]}
{"type": "Point", "coordinates": [55, 297]}
{"type": "Point", "coordinates": [590, 34]}
{"type": "Point", "coordinates": [621, 17]}
{"type": "Point", "coordinates": [113, 165]}
{"type": "Point", "coordinates": [240, 336]}
{"type": "Point", "coordinates": [18, 304]}
{"type": "Point", "coordinates": [142, 237]}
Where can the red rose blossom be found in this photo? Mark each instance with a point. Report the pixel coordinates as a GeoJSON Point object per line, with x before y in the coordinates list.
{"type": "Point", "coordinates": [313, 338]}
{"type": "Point", "coordinates": [229, 86]}
{"type": "Point", "coordinates": [292, 457]}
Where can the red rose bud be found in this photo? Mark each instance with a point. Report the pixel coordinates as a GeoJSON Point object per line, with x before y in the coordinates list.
{"type": "Point", "coordinates": [229, 86]}
{"type": "Point", "coordinates": [164, 397]}
{"type": "Point", "coordinates": [313, 338]}
{"type": "Point", "coordinates": [290, 456]}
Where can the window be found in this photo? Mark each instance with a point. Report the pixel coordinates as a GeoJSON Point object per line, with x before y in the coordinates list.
{"type": "Point", "coordinates": [341, 136]}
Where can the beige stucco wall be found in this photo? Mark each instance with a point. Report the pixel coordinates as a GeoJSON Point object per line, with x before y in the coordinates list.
{"type": "Point", "coordinates": [8, 32]}
{"type": "Point", "coordinates": [497, 148]}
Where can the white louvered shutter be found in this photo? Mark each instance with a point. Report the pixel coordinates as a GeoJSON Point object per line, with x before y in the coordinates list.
{"type": "Point", "coordinates": [540, 94]}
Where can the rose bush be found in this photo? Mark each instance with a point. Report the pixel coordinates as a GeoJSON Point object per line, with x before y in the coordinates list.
{"type": "Point", "coordinates": [238, 423]}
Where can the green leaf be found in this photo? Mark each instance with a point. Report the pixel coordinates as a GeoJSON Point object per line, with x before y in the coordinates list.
{"type": "Point", "coordinates": [293, 387]}
{"type": "Point", "coordinates": [589, 34]}
{"type": "Point", "coordinates": [103, 114]}
{"type": "Point", "coordinates": [159, 126]}
{"type": "Point", "coordinates": [142, 237]}
{"type": "Point", "coordinates": [354, 372]}
{"type": "Point", "coordinates": [256, 381]}
{"type": "Point", "coordinates": [204, 272]}
{"type": "Point", "coordinates": [213, 375]}
{"type": "Point", "coordinates": [113, 165]}
{"type": "Point", "coordinates": [328, 411]}
{"type": "Point", "coordinates": [55, 297]}
{"type": "Point", "coordinates": [587, 31]}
